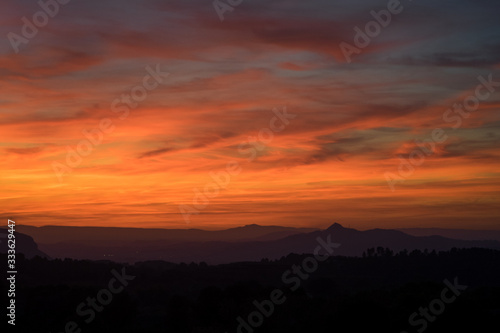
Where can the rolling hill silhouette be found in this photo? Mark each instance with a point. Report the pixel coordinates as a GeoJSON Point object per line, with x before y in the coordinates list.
{"type": "Point", "coordinates": [455, 233]}
{"type": "Point", "coordinates": [248, 243]}
{"type": "Point", "coordinates": [23, 244]}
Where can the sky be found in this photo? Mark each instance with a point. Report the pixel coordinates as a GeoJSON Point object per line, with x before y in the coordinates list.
{"type": "Point", "coordinates": [125, 113]}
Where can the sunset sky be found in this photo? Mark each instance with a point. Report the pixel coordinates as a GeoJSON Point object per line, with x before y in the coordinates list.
{"type": "Point", "coordinates": [353, 122]}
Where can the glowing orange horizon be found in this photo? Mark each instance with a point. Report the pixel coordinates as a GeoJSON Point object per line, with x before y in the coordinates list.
{"type": "Point", "coordinates": [354, 122]}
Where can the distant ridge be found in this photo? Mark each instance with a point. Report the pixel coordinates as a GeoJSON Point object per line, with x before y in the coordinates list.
{"type": "Point", "coordinates": [455, 233]}
{"type": "Point", "coordinates": [57, 234]}
{"type": "Point", "coordinates": [24, 244]}
{"type": "Point", "coordinates": [247, 243]}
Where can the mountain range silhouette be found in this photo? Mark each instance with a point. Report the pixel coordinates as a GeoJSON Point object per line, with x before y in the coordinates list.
{"type": "Point", "coordinates": [247, 243]}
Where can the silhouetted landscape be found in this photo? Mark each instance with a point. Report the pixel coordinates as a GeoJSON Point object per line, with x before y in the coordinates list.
{"type": "Point", "coordinates": [373, 280]}
{"type": "Point", "coordinates": [376, 293]}
{"type": "Point", "coordinates": [248, 243]}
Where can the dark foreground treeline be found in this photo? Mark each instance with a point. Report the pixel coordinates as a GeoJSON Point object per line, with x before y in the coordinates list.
{"type": "Point", "coordinates": [377, 293]}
